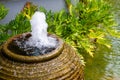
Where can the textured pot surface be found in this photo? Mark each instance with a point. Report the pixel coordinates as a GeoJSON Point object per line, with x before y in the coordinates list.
{"type": "Point", "coordinates": [61, 64]}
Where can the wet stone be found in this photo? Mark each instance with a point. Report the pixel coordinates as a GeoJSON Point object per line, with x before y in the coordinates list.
{"type": "Point", "coordinates": [0, 67]}
{"type": "Point", "coordinates": [18, 46]}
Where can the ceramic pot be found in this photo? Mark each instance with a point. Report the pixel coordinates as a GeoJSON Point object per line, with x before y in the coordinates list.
{"type": "Point", "coordinates": [61, 64]}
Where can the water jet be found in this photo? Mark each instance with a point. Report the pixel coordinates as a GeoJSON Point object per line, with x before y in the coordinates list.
{"type": "Point", "coordinates": [38, 55]}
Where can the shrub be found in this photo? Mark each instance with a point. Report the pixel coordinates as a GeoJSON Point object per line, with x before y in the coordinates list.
{"type": "Point", "coordinates": [3, 11]}
{"type": "Point", "coordinates": [84, 25]}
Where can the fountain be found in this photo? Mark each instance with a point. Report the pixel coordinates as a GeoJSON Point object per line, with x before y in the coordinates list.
{"type": "Point", "coordinates": [39, 55]}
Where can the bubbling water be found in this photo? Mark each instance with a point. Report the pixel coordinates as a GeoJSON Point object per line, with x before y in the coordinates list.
{"type": "Point", "coordinates": [39, 36]}
{"type": "Point", "coordinates": [39, 42]}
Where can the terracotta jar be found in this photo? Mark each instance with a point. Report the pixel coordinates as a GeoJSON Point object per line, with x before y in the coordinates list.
{"type": "Point", "coordinates": [61, 64]}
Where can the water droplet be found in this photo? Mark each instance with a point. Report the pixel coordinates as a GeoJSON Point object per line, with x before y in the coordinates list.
{"type": "Point", "coordinates": [1, 67]}
{"type": "Point", "coordinates": [31, 73]}
{"type": "Point", "coordinates": [15, 73]}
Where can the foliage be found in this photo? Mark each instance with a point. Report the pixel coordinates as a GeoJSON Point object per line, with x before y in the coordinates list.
{"type": "Point", "coordinates": [3, 11]}
{"type": "Point", "coordinates": [3, 33]}
{"type": "Point", "coordinates": [85, 25]}
{"type": "Point", "coordinates": [19, 25]}
{"type": "Point", "coordinates": [29, 9]}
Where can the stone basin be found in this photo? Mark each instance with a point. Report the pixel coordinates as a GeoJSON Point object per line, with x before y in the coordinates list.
{"type": "Point", "coordinates": [63, 63]}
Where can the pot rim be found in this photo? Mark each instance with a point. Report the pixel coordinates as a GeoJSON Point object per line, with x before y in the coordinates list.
{"type": "Point", "coordinates": [40, 58]}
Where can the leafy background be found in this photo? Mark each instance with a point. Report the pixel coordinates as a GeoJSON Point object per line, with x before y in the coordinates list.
{"type": "Point", "coordinates": [84, 26]}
